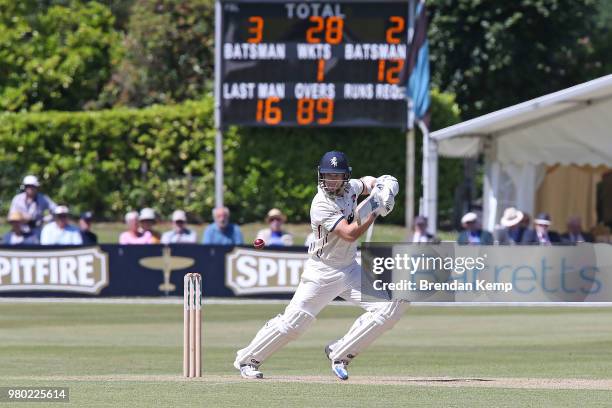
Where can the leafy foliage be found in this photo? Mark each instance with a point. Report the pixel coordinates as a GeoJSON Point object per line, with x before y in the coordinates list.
{"type": "Point", "coordinates": [112, 161]}
{"type": "Point", "coordinates": [493, 54]}
{"type": "Point", "coordinates": [169, 54]}
{"type": "Point", "coordinates": [55, 57]}
{"type": "Point", "coordinates": [163, 156]}
{"type": "Point", "coordinates": [599, 42]}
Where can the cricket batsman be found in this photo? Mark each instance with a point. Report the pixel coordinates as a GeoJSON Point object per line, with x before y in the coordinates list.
{"type": "Point", "coordinates": [331, 271]}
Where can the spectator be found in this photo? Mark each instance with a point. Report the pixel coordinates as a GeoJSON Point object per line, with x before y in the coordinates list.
{"type": "Point", "coordinates": [147, 220]}
{"type": "Point", "coordinates": [541, 234]}
{"type": "Point", "coordinates": [526, 222]}
{"type": "Point", "coordinates": [274, 235]}
{"type": "Point", "coordinates": [512, 229]}
{"type": "Point", "coordinates": [88, 237]}
{"type": "Point", "coordinates": [222, 231]}
{"type": "Point", "coordinates": [32, 204]}
{"type": "Point", "coordinates": [574, 232]}
{"type": "Point", "coordinates": [179, 233]}
{"type": "Point", "coordinates": [133, 235]}
{"type": "Point", "coordinates": [60, 231]}
{"type": "Point", "coordinates": [473, 234]}
{"type": "Point", "coordinates": [16, 236]}
{"type": "Point", "coordinates": [420, 233]}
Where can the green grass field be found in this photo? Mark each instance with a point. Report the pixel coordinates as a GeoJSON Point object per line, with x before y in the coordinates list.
{"type": "Point", "coordinates": [130, 355]}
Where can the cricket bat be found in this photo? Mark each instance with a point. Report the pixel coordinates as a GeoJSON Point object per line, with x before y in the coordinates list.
{"type": "Point", "coordinates": [366, 207]}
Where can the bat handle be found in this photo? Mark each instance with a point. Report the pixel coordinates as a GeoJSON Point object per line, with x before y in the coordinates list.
{"type": "Point", "coordinates": [369, 233]}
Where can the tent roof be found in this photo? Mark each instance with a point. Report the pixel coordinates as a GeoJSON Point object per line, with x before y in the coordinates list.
{"type": "Point", "coordinates": [572, 126]}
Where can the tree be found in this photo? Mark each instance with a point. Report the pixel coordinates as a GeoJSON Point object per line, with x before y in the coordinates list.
{"type": "Point", "coordinates": [57, 57]}
{"type": "Point", "coordinates": [600, 41]}
{"type": "Point", "coordinates": [169, 54]}
{"type": "Point", "coordinates": [493, 54]}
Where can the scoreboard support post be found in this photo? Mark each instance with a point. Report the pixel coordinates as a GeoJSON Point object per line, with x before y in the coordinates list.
{"type": "Point", "coordinates": [218, 168]}
{"type": "Point", "coordinates": [218, 125]}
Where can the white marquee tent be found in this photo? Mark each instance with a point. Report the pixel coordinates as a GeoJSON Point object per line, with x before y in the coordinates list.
{"type": "Point", "coordinates": [569, 127]}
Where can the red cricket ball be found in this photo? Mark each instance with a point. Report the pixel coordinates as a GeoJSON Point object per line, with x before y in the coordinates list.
{"type": "Point", "coordinates": [259, 243]}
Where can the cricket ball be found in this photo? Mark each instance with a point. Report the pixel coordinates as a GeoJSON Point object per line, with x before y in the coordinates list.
{"type": "Point", "coordinates": [259, 243]}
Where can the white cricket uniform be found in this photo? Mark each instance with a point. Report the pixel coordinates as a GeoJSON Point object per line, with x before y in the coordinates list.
{"type": "Point", "coordinates": [325, 214]}
{"type": "Point", "coordinates": [331, 271]}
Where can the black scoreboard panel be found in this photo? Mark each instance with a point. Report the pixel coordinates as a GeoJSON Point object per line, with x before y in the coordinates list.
{"type": "Point", "coordinates": [313, 63]}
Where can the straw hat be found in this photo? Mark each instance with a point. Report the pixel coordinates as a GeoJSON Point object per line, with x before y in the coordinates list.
{"type": "Point", "coordinates": [15, 216]}
{"type": "Point", "coordinates": [179, 215]}
{"type": "Point", "coordinates": [469, 217]}
{"type": "Point", "coordinates": [275, 213]}
{"type": "Point", "coordinates": [147, 214]}
{"type": "Point", "coordinates": [511, 217]}
{"type": "Point", "coordinates": [61, 209]}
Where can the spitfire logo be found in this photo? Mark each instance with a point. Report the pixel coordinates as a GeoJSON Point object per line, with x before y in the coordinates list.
{"type": "Point", "coordinates": [334, 161]}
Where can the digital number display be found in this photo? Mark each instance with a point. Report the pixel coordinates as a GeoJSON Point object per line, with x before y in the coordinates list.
{"type": "Point", "coordinates": [313, 63]}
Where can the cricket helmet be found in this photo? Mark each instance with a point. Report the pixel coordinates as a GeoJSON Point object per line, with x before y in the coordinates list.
{"type": "Point", "coordinates": [333, 162]}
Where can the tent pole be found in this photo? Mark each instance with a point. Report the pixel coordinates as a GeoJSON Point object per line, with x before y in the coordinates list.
{"type": "Point", "coordinates": [429, 179]}
{"type": "Point", "coordinates": [491, 184]}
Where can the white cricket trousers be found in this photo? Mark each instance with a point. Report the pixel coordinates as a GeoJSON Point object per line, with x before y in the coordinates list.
{"type": "Point", "coordinates": [319, 285]}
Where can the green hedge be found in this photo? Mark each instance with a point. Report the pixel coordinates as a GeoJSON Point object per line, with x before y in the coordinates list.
{"type": "Point", "coordinates": [112, 161]}
{"type": "Point", "coordinates": [163, 156]}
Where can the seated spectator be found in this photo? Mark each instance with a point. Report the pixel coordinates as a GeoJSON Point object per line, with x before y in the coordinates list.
{"type": "Point", "coordinates": [420, 234]}
{"type": "Point", "coordinates": [574, 232]}
{"type": "Point", "coordinates": [274, 235]}
{"type": "Point", "coordinates": [179, 233]}
{"type": "Point", "coordinates": [473, 234]}
{"type": "Point", "coordinates": [60, 231]}
{"type": "Point", "coordinates": [222, 231]}
{"type": "Point", "coordinates": [147, 220]}
{"type": "Point", "coordinates": [512, 229]}
{"type": "Point", "coordinates": [540, 234]}
{"type": "Point", "coordinates": [88, 237]}
{"type": "Point", "coordinates": [16, 236]}
{"type": "Point", "coordinates": [32, 204]}
{"type": "Point", "coordinates": [526, 221]}
{"type": "Point", "coordinates": [134, 235]}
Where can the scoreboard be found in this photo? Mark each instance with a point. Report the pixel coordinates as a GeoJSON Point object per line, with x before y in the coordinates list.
{"type": "Point", "coordinates": [312, 64]}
